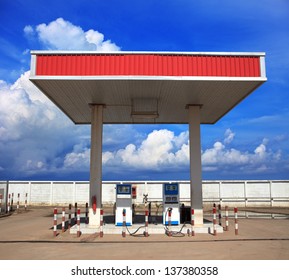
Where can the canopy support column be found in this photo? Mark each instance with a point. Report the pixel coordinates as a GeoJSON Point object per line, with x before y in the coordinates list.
{"type": "Point", "coordinates": [95, 186]}
{"type": "Point", "coordinates": [195, 162]}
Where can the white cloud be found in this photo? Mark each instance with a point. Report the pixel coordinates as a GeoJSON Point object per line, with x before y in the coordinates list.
{"type": "Point", "coordinates": [260, 151]}
{"type": "Point", "coordinates": [162, 150]}
{"type": "Point", "coordinates": [36, 137]}
{"type": "Point", "coordinates": [33, 132]}
{"type": "Point", "coordinates": [35, 95]}
{"type": "Point", "coordinates": [24, 108]}
{"type": "Point", "coordinates": [28, 30]}
{"type": "Point", "coordinates": [77, 160]}
{"type": "Point", "coordinates": [261, 160]}
{"type": "Point", "coordinates": [181, 139]}
{"type": "Point", "coordinates": [106, 157]}
{"type": "Point", "coordinates": [158, 150]}
{"type": "Point", "coordinates": [229, 136]}
{"type": "Point", "coordinates": [219, 155]}
{"type": "Point", "coordinates": [63, 35]}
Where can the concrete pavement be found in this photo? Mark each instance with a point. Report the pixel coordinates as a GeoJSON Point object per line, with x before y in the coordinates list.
{"type": "Point", "coordinates": [28, 235]}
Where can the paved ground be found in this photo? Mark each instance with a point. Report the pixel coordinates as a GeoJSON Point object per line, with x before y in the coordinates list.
{"type": "Point", "coordinates": [28, 235]}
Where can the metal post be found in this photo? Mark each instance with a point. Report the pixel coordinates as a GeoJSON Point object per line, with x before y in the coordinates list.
{"type": "Point", "coordinates": [8, 205]}
{"type": "Point", "coordinates": [236, 221]}
{"type": "Point", "coordinates": [6, 197]}
{"type": "Point", "coordinates": [193, 222]}
{"type": "Point", "coordinates": [69, 216]}
{"type": "Point", "coordinates": [18, 202]}
{"type": "Point", "coordinates": [55, 222]}
{"type": "Point", "coordinates": [123, 223]}
{"type": "Point", "coordinates": [63, 219]}
{"type": "Point", "coordinates": [25, 203]}
{"type": "Point", "coordinates": [86, 213]}
{"type": "Point", "coordinates": [215, 221]}
{"type": "Point", "coordinates": [78, 223]}
{"type": "Point", "coordinates": [220, 214]}
{"type": "Point", "coordinates": [170, 222]}
{"type": "Point", "coordinates": [75, 213]}
{"type": "Point", "coordinates": [146, 223]}
{"type": "Point", "coordinates": [12, 200]}
{"type": "Point", "coordinates": [101, 223]}
{"type": "Point", "coordinates": [227, 218]}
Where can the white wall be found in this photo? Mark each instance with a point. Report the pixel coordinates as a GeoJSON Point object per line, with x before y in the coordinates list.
{"type": "Point", "coordinates": [231, 193]}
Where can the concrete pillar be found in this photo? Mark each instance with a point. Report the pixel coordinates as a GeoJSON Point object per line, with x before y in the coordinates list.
{"type": "Point", "coordinates": [95, 186]}
{"type": "Point", "coordinates": [195, 163]}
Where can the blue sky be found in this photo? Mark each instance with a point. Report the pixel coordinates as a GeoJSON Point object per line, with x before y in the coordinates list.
{"type": "Point", "coordinates": [38, 142]}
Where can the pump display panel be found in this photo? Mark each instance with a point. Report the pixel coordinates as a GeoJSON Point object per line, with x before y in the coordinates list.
{"type": "Point", "coordinates": [123, 189]}
{"type": "Point", "coordinates": [171, 193]}
{"type": "Point", "coordinates": [171, 189]}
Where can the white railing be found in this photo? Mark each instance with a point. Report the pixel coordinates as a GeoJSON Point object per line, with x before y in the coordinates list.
{"type": "Point", "coordinates": [263, 193]}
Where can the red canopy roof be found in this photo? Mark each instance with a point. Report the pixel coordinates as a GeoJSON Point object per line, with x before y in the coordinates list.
{"type": "Point", "coordinates": [158, 85]}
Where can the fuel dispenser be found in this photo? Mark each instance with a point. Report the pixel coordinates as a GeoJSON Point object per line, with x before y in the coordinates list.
{"type": "Point", "coordinates": [123, 203]}
{"type": "Point", "coordinates": [171, 203]}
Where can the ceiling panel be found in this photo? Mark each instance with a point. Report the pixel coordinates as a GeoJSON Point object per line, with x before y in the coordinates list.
{"type": "Point", "coordinates": [217, 97]}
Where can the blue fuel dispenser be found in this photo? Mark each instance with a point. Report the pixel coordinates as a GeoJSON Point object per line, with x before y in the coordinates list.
{"type": "Point", "coordinates": [171, 202]}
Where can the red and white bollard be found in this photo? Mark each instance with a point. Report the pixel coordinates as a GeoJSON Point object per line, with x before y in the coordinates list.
{"type": "Point", "coordinates": [63, 220]}
{"type": "Point", "coordinates": [55, 222]}
{"type": "Point", "coordinates": [69, 216]}
{"type": "Point", "coordinates": [86, 213]}
{"type": "Point", "coordinates": [123, 223]}
{"type": "Point", "coordinates": [220, 214]}
{"type": "Point", "coordinates": [0, 202]}
{"type": "Point", "coordinates": [170, 222]}
{"type": "Point", "coordinates": [78, 223]}
{"type": "Point", "coordinates": [8, 206]}
{"type": "Point", "coordinates": [226, 218]}
{"type": "Point", "coordinates": [236, 220]}
{"type": "Point", "coordinates": [146, 223]}
{"type": "Point", "coordinates": [12, 200]}
{"type": "Point", "coordinates": [101, 223]}
{"type": "Point", "coordinates": [18, 201]}
{"type": "Point", "coordinates": [193, 222]}
{"type": "Point", "coordinates": [75, 213]}
{"type": "Point", "coordinates": [25, 203]}
{"type": "Point", "coordinates": [215, 221]}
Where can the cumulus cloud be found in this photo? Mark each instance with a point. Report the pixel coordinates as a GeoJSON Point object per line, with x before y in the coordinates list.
{"type": "Point", "coordinates": [229, 136]}
{"type": "Point", "coordinates": [36, 138]}
{"type": "Point", "coordinates": [33, 131]}
{"type": "Point", "coordinates": [221, 158]}
{"type": "Point", "coordinates": [157, 151]}
{"type": "Point", "coordinates": [162, 150]}
{"type": "Point", "coordinates": [77, 159]}
{"type": "Point", "coordinates": [24, 108]}
{"type": "Point", "coordinates": [28, 30]}
{"type": "Point", "coordinates": [63, 35]}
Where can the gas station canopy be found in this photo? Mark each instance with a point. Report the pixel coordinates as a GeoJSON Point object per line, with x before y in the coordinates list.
{"type": "Point", "coordinates": [146, 87]}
